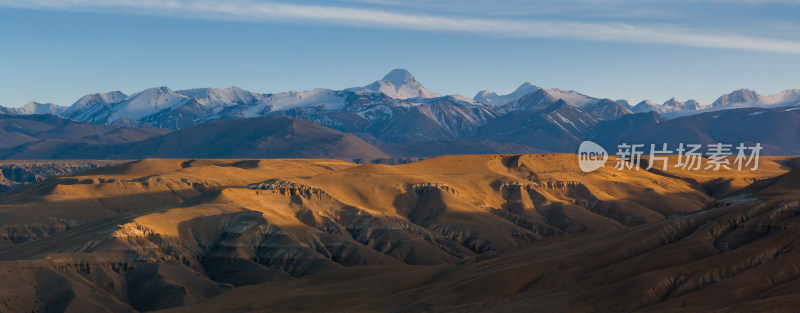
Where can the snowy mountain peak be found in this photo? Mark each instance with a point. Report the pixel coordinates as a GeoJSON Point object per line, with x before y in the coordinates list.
{"type": "Point", "coordinates": [232, 94]}
{"type": "Point", "coordinates": [38, 108]}
{"type": "Point", "coordinates": [106, 97]}
{"type": "Point", "coordinates": [671, 107]}
{"type": "Point", "coordinates": [607, 109]}
{"type": "Point", "coordinates": [526, 87]}
{"type": "Point", "coordinates": [738, 96]}
{"type": "Point", "coordinates": [646, 106]}
{"type": "Point", "coordinates": [536, 100]}
{"type": "Point", "coordinates": [87, 106]}
{"type": "Point", "coordinates": [216, 100]}
{"type": "Point", "coordinates": [162, 89]}
{"type": "Point", "coordinates": [573, 97]}
{"type": "Point", "coordinates": [484, 94]}
{"type": "Point", "coordinates": [399, 77]}
{"type": "Point", "coordinates": [673, 103]}
{"type": "Point", "coordinates": [155, 93]}
{"type": "Point", "coordinates": [692, 104]}
{"type": "Point", "coordinates": [398, 84]}
{"type": "Point", "coordinates": [493, 99]}
{"type": "Point", "coordinates": [147, 102]}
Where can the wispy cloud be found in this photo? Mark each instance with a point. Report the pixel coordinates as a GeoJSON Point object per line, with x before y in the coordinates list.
{"type": "Point", "coordinates": [254, 11]}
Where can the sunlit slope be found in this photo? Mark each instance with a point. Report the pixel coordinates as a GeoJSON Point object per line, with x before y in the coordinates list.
{"type": "Point", "coordinates": [739, 254]}
{"type": "Point", "coordinates": [160, 233]}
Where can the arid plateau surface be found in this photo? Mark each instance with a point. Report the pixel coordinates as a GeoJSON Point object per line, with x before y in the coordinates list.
{"type": "Point", "coordinates": [468, 233]}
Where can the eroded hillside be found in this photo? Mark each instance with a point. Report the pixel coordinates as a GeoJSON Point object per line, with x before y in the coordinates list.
{"type": "Point", "coordinates": [157, 233]}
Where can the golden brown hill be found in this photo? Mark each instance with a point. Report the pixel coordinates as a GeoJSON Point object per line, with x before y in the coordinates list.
{"type": "Point", "coordinates": [737, 255]}
{"type": "Point", "coordinates": [163, 233]}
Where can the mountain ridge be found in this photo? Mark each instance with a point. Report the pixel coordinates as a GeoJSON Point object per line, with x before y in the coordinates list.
{"type": "Point", "coordinates": [536, 119]}
{"type": "Point", "coordinates": [163, 107]}
{"type": "Point", "coordinates": [409, 129]}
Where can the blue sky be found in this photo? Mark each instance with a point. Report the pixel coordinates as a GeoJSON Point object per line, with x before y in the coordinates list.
{"type": "Point", "coordinates": [58, 50]}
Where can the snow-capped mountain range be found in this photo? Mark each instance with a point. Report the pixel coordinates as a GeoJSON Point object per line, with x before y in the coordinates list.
{"type": "Point", "coordinates": [394, 108]}
{"type": "Point", "coordinates": [745, 98]}
{"type": "Point", "coordinates": [35, 108]}
{"type": "Point", "coordinates": [396, 115]}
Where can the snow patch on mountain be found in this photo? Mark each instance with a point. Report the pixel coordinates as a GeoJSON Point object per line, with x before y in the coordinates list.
{"type": "Point", "coordinates": [737, 96]}
{"type": "Point", "coordinates": [37, 108]}
{"type": "Point", "coordinates": [328, 99]}
{"type": "Point", "coordinates": [572, 97]}
{"type": "Point", "coordinates": [95, 98]}
{"type": "Point", "coordinates": [464, 99]}
{"type": "Point", "coordinates": [784, 98]}
{"type": "Point", "coordinates": [670, 107]}
{"type": "Point", "coordinates": [607, 109]}
{"type": "Point", "coordinates": [493, 99]}
{"type": "Point", "coordinates": [89, 105]}
{"type": "Point", "coordinates": [692, 104]}
{"type": "Point", "coordinates": [217, 100]}
{"type": "Point", "coordinates": [413, 102]}
{"type": "Point", "coordinates": [745, 98]}
{"type": "Point", "coordinates": [147, 102]}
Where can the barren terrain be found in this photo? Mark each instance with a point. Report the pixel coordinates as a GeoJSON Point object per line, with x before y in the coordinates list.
{"type": "Point", "coordinates": [466, 233]}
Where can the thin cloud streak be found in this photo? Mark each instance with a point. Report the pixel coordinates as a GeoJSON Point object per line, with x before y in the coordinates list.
{"type": "Point", "coordinates": [271, 12]}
